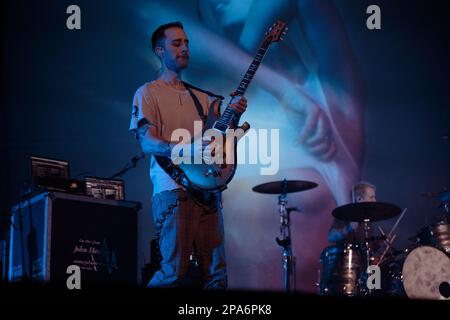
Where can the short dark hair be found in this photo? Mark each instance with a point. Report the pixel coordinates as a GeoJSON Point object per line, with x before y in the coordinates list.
{"type": "Point", "coordinates": [158, 34]}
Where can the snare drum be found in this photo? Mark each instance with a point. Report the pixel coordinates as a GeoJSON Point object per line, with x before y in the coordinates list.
{"type": "Point", "coordinates": [341, 270]}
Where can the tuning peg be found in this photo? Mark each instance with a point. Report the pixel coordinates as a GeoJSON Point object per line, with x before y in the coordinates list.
{"type": "Point", "coordinates": [286, 28]}
{"type": "Point", "coordinates": [281, 38]}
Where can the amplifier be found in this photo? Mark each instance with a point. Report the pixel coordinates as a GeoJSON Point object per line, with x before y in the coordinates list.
{"type": "Point", "coordinates": [57, 184]}
{"type": "Point", "coordinates": [52, 231]}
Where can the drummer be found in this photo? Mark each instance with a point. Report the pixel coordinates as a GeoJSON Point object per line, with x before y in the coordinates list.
{"type": "Point", "coordinates": [342, 231]}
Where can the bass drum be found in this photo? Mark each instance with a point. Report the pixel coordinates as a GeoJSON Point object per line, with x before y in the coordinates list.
{"type": "Point", "coordinates": [341, 270]}
{"type": "Point", "coordinates": [425, 269]}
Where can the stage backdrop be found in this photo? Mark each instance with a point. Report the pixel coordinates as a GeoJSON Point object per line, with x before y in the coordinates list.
{"type": "Point", "coordinates": [348, 104]}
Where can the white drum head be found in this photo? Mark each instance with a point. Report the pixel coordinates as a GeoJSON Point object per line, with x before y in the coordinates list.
{"type": "Point", "coordinates": [424, 269]}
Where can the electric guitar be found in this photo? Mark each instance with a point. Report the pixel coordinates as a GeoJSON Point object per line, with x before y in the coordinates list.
{"type": "Point", "coordinates": [217, 165]}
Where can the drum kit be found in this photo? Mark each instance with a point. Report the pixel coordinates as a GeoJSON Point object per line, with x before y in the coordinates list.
{"type": "Point", "coordinates": [422, 271]}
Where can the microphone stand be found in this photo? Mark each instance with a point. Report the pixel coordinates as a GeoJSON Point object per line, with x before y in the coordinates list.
{"type": "Point", "coordinates": [131, 164]}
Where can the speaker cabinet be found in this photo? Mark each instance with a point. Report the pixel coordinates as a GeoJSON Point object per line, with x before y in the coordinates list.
{"type": "Point", "coordinates": [52, 231]}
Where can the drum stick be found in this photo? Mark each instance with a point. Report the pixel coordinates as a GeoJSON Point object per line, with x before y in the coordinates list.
{"type": "Point", "coordinates": [387, 248]}
{"type": "Point", "coordinates": [397, 222]}
{"type": "Point", "coordinates": [390, 240]}
{"type": "Point", "coordinates": [381, 231]}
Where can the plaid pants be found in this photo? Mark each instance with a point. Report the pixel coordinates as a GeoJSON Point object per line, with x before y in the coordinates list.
{"type": "Point", "coordinates": [184, 224]}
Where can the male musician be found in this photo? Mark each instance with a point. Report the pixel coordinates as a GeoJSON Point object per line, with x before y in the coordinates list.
{"type": "Point", "coordinates": [183, 222]}
{"type": "Point", "coordinates": [340, 230]}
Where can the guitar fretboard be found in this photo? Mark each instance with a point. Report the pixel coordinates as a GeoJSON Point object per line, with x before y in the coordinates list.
{"type": "Point", "coordinates": [228, 115]}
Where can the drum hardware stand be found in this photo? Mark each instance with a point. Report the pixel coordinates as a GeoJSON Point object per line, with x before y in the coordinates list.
{"type": "Point", "coordinates": [282, 188]}
{"type": "Point", "coordinates": [319, 281]}
{"type": "Point", "coordinates": [285, 243]}
{"type": "Point", "coordinates": [445, 202]}
{"type": "Point", "coordinates": [366, 241]}
{"type": "Point", "coordinates": [447, 212]}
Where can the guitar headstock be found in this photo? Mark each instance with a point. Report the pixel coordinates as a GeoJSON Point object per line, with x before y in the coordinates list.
{"type": "Point", "coordinates": [276, 32]}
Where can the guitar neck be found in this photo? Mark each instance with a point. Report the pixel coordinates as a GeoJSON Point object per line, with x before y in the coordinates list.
{"type": "Point", "coordinates": [229, 114]}
{"type": "Point", "coordinates": [252, 69]}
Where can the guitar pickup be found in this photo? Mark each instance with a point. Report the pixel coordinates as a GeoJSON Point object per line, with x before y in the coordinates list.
{"type": "Point", "coordinates": [220, 127]}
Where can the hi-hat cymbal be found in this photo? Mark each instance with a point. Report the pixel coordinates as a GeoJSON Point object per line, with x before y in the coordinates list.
{"type": "Point", "coordinates": [285, 186]}
{"type": "Point", "coordinates": [372, 211]}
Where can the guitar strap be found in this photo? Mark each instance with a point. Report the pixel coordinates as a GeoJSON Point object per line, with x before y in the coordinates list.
{"type": "Point", "coordinates": [204, 198]}
{"type": "Point", "coordinates": [197, 104]}
{"type": "Point", "coordinates": [204, 91]}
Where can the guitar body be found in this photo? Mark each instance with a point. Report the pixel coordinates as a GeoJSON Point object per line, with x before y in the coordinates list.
{"type": "Point", "coordinates": [215, 176]}
{"type": "Point", "coordinates": [206, 176]}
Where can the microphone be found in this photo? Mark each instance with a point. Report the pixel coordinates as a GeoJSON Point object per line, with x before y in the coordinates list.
{"type": "Point", "coordinates": [136, 158]}
{"type": "Point", "coordinates": [139, 156]}
{"type": "Point", "coordinates": [131, 164]}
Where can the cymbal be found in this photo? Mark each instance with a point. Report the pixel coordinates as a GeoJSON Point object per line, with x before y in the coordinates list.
{"type": "Point", "coordinates": [444, 196]}
{"type": "Point", "coordinates": [373, 211]}
{"type": "Point", "coordinates": [285, 186]}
